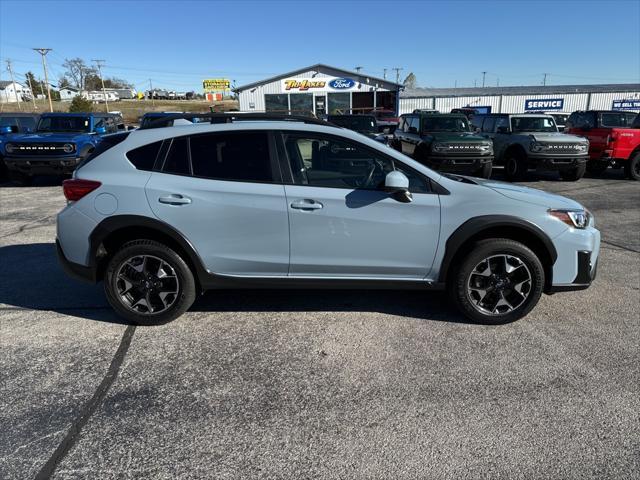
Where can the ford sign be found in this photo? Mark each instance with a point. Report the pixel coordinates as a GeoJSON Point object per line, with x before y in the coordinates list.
{"type": "Point", "coordinates": [341, 83]}
{"type": "Point", "coordinates": [544, 104]}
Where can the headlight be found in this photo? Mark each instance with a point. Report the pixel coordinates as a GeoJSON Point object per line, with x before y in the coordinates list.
{"type": "Point", "coordinates": [582, 147]}
{"type": "Point", "coordinates": [537, 147]}
{"type": "Point", "coordinates": [68, 147]}
{"type": "Point", "coordinates": [9, 148]}
{"type": "Point", "coordinates": [487, 147]}
{"type": "Point", "coordinates": [573, 218]}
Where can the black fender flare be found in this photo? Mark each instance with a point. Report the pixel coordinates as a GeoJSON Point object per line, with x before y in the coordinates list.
{"type": "Point", "coordinates": [477, 225]}
{"type": "Point", "coordinates": [112, 224]}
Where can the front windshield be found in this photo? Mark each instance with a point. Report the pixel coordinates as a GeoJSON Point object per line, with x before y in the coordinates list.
{"type": "Point", "coordinates": [445, 124]}
{"type": "Point", "coordinates": [533, 124]}
{"type": "Point", "coordinates": [64, 124]}
{"type": "Point", "coordinates": [357, 123]}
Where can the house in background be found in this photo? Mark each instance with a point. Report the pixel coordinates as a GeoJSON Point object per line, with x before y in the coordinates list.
{"type": "Point", "coordinates": [68, 93]}
{"type": "Point", "coordinates": [12, 92]}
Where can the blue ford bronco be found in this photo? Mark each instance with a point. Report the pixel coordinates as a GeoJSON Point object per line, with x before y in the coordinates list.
{"type": "Point", "coordinates": [58, 144]}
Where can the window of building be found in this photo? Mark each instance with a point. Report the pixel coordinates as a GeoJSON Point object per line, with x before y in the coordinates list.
{"type": "Point", "coordinates": [301, 103]}
{"type": "Point", "coordinates": [339, 103]}
{"type": "Point", "coordinates": [276, 102]}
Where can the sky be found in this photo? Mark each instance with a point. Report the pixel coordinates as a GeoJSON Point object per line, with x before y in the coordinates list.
{"type": "Point", "coordinates": [177, 44]}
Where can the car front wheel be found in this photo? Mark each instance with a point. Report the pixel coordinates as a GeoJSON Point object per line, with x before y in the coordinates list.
{"type": "Point", "coordinates": [148, 283]}
{"type": "Point", "coordinates": [500, 281]}
{"type": "Point", "coordinates": [632, 168]}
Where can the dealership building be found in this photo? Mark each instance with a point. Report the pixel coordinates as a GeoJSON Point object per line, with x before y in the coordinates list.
{"type": "Point", "coordinates": [559, 98]}
{"type": "Point", "coordinates": [319, 89]}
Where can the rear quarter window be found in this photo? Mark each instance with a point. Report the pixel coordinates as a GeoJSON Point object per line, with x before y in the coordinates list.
{"type": "Point", "coordinates": [144, 158]}
{"type": "Point", "coordinates": [106, 142]}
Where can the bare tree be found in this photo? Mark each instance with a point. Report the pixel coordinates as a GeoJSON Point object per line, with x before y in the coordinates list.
{"type": "Point", "coordinates": [76, 70]}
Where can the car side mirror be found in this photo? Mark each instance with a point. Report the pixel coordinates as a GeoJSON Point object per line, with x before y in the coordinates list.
{"type": "Point", "coordinates": [397, 184]}
{"type": "Point", "coordinates": [413, 130]}
{"type": "Point", "coordinates": [100, 130]}
{"type": "Point", "coordinates": [504, 130]}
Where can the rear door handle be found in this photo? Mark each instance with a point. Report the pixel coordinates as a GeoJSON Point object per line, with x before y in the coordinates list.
{"type": "Point", "coordinates": [306, 204]}
{"type": "Point", "coordinates": [175, 199]}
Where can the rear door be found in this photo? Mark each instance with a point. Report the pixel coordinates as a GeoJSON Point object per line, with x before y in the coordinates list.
{"type": "Point", "coordinates": [342, 224]}
{"type": "Point", "coordinates": [223, 192]}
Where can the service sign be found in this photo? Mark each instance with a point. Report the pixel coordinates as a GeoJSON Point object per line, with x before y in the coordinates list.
{"type": "Point", "coordinates": [544, 104]}
{"type": "Point", "coordinates": [216, 85]}
{"type": "Point", "coordinates": [630, 104]}
{"type": "Point", "coordinates": [330, 84]}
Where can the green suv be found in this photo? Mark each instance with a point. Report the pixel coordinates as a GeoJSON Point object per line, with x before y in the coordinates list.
{"type": "Point", "coordinates": [444, 142]}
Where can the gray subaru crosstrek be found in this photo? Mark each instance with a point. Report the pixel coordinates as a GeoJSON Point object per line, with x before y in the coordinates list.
{"type": "Point", "coordinates": [162, 214]}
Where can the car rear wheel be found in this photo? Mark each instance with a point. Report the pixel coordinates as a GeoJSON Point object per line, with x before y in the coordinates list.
{"type": "Point", "coordinates": [148, 283]}
{"type": "Point", "coordinates": [500, 281]}
{"type": "Point", "coordinates": [632, 167]}
{"type": "Point", "coordinates": [573, 174]}
{"type": "Point", "coordinates": [515, 166]}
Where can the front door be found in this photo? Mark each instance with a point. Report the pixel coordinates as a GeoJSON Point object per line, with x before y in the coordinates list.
{"type": "Point", "coordinates": [320, 102]}
{"type": "Point", "coordinates": [223, 192]}
{"type": "Point", "coordinates": [343, 225]}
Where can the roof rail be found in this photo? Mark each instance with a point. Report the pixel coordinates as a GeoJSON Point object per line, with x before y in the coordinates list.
{"type": "Point", "coordinates": [231, 117]}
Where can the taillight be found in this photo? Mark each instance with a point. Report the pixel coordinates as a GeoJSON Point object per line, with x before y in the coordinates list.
{"type": "Point", "coordinates": [76, 188]}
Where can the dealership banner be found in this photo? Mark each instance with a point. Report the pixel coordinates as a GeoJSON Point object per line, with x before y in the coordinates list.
{"type": "Point", "coordinates": [630, 104]}
{"type": "Point", "coordinates": [330, 84]}
{"type": "Point", "coordinates": [216, 85]}
{"type": "Point", "coordinates": [544, 104]}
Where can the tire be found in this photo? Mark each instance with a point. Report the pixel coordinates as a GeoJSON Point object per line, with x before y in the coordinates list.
{"type": "Point", "coordinates": [485, 171]}
{"type": "Point", "coordinates": [20, 178]}
{"type": "Point", "coordinates": [465, 286]}
{"type": "Point", "coordinates": [632, 167]}
{"type": "Point", "coordinates": [596, 168]}
{"type": "Point", "coordinates": [515, 166]}
{"type": "Point", "coordinates": [170, 294]}
{"type": "Point", "coordinates": [573, 174]}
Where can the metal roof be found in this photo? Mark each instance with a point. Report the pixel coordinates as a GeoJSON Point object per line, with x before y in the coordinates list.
{"type": "Point", "coordinates": [525, 90]}
{"type": "Point", "coordinates": [5, 83]}
{"type": "Point", "coordinates": [316, 67]}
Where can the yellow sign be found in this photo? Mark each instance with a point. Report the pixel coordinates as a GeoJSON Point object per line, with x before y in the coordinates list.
{"type": "Point", "coordinates": [216, 85]}
{"type": "Point", "coordinates": [303, 84]}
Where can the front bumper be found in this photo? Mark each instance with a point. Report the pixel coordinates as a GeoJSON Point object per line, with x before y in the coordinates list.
{"type": "Point", "coordinates": [42, 165]}
{"type": "Point", "coordinates": [75, 270]}
{"type": "Point", "coordinates": [577, 263]}
{"type": "Point", "coordinates": [457, 163]}
{"type": "Point", "coordinates": [557, 162]}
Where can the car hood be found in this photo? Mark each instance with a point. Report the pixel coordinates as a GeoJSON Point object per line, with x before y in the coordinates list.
{"type": "Point", "coordinates": [46, 137]}
{"type": "Point", "coordinates": [556, 137]}
{"type": "Point", "coordinates": [529, 195]}
{"type": "Point", "coordinates": [455, 137]}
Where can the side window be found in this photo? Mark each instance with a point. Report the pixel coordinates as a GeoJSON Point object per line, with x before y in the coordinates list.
{"type": "Point", "coordinates": [614, 120]}
{"type": "Point", "coordinates": [98, 122]}
{"type": "Point", "coordinates": [476, 122]}
{"type": "Point", "coordinates": [177, 160]}
{"type": "Point", "coordinates": [630, 118]}
{"type": "Point", "coordinates": [334, 163]}
{"type": "Point", "coordinates": [232, 156]}
{"type": "Point", "coordinates": [414, 122]}
{"type": "Point", "coordinates": [502, 122]}
{"type": "Point", "coordinates": [143, 158]}
{"type": "Point", "coordinates": [489, 124]}
{"type": "Point", "coordinates": [110, 125]}
{"type": "Point", "coordinates": [571, 121]}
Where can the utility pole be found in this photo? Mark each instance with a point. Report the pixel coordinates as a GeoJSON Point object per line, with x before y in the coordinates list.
{"type": "Point", "coordinates": [544, 79]}
{"type": "Point", "coordinates": [397, 69]}
{"type": "Point", "coordinates": [358, 69]}
{"type": "Point", "coordinates": [153, 102]}
{"type": "Point", "coordinates": [455, 84]}
{"type": "Point", "coordinates": [384, 73]}
{"type": "Point", "coordinates": [43, 52]}
{"type": "Point", "coordinates": [99, 65]}
{"type": "Point", "coordinates": [33, 92]}
{"type": "Point", "coordinates": [498, 82]}
{"type": "Point", "coordinates": [484, 74]}
{"type": "Point", "coordinates": [474, 83]}
{"type": "Point", "coordinates": [15, 90]}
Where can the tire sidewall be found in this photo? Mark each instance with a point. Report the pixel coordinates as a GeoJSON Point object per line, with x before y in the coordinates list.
{"type": "Point", "coordinates": [186, 281]}
{"type": "Point", "coordinates": [632, 166]}
{"type": "Point", "coordinates": [482, 250]}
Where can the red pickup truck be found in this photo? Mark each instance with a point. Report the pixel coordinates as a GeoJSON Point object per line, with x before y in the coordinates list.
{"type": "Point", "coordinates": [614, 139]}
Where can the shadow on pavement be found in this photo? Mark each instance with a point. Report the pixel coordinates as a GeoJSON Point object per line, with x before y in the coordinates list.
{"type": "Point", "coordinates": [33, 279]}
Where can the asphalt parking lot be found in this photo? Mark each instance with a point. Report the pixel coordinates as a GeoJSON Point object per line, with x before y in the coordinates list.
{"type": "Point", "coordinates": [308, 384]}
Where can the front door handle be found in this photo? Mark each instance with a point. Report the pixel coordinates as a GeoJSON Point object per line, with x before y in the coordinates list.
{"type": "Point", "coordinates": [306, 204]}
{"type": "Point", "coordinates": [175, 199]}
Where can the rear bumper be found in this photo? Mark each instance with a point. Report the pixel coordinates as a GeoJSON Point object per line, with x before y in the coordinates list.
{"type": "Point", "coordinates": [458, 163]}
{"type": "Point", "coordinates": [75, 270]}
{"type": "Point", "coordinates": [543, 162]}
{"type": "Point", "coordinates": [42, 165]}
